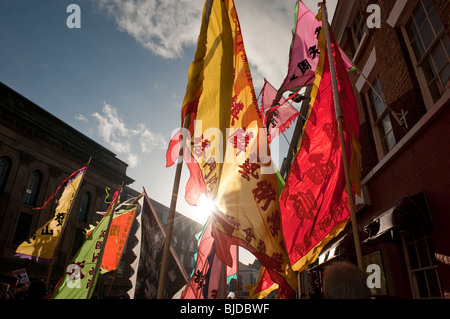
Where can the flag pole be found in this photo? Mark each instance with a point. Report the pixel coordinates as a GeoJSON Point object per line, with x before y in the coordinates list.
{"type": "Point", "coordinates": [173, 204]}
{"type": "Point", "coordinates": [340, 117]}
{"type": "Point", "coordinates": [58, 241]}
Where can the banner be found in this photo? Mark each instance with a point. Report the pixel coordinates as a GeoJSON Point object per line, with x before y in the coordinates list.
{"type": "Point", "coordinates": [314, 202]}
{"type": "Point", "coordinates": [42, 244]}
{"type": "Point", "coordinates": [82, 272]}
{"type": "Point", "coordinates": [117, 238]}
{"type": "Point", "coordinates": [150, 235]}
{"type": "Point", "coordinates": [305, 52]}
{"type": "Point", "coordinates": [228, 154]}
{"type": "Point", "coordinates": [276, 119]}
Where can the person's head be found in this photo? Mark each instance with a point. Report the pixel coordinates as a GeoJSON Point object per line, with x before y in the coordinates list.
{"type": "Point", "coordinates": [13, 281]}
{"type": "Point", "coordinates": [343, 280]}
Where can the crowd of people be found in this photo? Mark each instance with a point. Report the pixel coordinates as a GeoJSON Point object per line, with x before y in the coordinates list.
{"type": "Point", "coordinates": [341, 280]}
{"type": "Point", "coordinates": [12, 289]}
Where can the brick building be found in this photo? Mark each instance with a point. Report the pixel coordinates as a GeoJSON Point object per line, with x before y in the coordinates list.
{"type": "Point", "coordinates": [403, 91]}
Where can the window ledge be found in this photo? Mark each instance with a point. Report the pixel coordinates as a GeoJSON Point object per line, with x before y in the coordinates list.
{"type": "Point", "coordinates": [439, 106]}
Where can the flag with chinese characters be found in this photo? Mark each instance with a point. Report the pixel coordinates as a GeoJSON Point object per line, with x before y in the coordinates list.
{"type": "Point", "coordinates": [42, 244]}
{"type": "Point", "coordinates": [277, 119]}
{"type": "Point", "coordinates": [314, 202]}
{"type": "Point", "coordinates": [147, 236]}
{"type": "Point", "coordinates": [82, 272]}
{"type": "Point", "coordinates": [305, 52]}
{"type": "Point", "coordinates": [228, 152]}
{"type": "Point", "coordinates": [205, 278]}
{"type": "Point", "coordinates": [118, 235]}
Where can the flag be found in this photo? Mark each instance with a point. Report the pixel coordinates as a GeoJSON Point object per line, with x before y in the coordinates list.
{"type": "Point", "coordinates": [118, 235]}
{"type": "Point", "coordinates": [204, 256]}
{"type": "Point", "coordinates": [82, 272]}
{"type": "Point", "coordinates": [314, 202]}
{"type": "Point", "coordinates": [228, 154]}
{"type": "Point", "coordinates": [263, 286]}
{"type": "Point", "coordinates": [149, 234]}
{"type": "Point", "coordinates": [206, 276]}
{"type": "Point", "coordinates": [279, 118]}
{"type": "Point", "coordinates": [305, 52]}
{"type": "Point", "coordinates": [42, 244]}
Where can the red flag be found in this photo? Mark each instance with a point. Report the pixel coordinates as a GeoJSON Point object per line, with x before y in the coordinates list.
{"type": "Point", "coordinates": [314, 203]}
{"type": "Point", "coordinates": [279, 118]}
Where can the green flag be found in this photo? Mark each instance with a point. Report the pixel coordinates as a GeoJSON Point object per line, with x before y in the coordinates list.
{"type": "Point", "coordinates": [82, 272]}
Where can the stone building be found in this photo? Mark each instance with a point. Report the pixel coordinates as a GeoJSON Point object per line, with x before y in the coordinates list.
{"type": "Point", "coordinates": [37, 152]}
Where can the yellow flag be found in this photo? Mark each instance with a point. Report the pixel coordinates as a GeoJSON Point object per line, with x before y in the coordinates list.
{"type": "Point", "coordinates": [228, 155]}
{"type": "Point", "coordinates": [41, 245]}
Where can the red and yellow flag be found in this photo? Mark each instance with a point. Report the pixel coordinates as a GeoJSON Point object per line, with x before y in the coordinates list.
{"type": "Point", "coordinates": [117, 237]}
{"type": "Point", "coordinates": [314, 202]}
{"type": "Point", "coordinates": [228, 154]}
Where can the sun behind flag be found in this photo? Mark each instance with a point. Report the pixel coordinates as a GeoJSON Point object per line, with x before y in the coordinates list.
{"type": "Point", "coordinates": [228, 154]}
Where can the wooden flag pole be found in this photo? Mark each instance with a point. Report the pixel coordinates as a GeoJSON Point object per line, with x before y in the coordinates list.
{"type": "Point", "coordinates": [339, 117]}
{"type": "Point", "coordinates": [169, 231]}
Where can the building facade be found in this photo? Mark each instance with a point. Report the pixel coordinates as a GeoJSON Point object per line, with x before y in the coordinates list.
{"type": "Point", "coordinates": [402, 86]}
{"type": "Point", "coordinates": [37, 152]}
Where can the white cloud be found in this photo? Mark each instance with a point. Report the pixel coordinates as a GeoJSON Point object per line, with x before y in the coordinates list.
{"type": "Point", "coordinates": [113, 130]}
{"type": "Point", "coordinates": [162, 26]}
{"type": "Point", "coordinates": [167, 27]}
{"type": "Point", "coordinates": [132, 160]}
{"type": "Point", "coordinates": [122, 140]}
{"type": "Point", "coordinates": [81, 118]}
{"type": "Point", "coordinates": [150, 141]}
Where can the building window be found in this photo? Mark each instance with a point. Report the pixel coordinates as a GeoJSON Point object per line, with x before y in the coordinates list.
{"type": "Point", "coordinates": [358, 29]}
{"type": "Point", "coordinates": [381, 116]}
{"type": "Point", "coordinates": [431, 46]}
{"type": "Point", "coordinates": [84, 208]}
{"type": "Point", "coordinates": [422, 265]}
{"type": "Point", "coordinates": [5, 164]}
{"type": "Point", "coordinates": [23, 228]}
{"type": "Point", "coordinates": [32, 188]}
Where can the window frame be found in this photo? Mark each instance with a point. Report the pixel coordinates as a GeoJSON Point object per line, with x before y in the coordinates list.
{"type": "Point", "coordinates": [420, 64]}
{"type": "Point", "coordinates": [30, 198]}
{"type": "Point", "coordinates": [418, 236]}
{"type": "Point", "coordinates": [381, 137]}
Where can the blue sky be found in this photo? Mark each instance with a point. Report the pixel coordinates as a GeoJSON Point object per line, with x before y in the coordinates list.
{"type": "Point", "coordinates": [120, 79]}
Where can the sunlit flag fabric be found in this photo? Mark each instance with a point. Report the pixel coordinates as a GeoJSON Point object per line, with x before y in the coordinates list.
{"type": "Point", "coordinates": [42, 244]}
{"type": "Point", "coordinates": [82, 274]}
{"type": "Point", "coordinates": [305, 52]}
{"type": "Point", "coordinates": [205, 278]}
{"type": "Point", "coordinates": [228, 150]}
{"type": "Point", "coordinates": [277, 119]}
{"type": "Point", "coordinates": [314, 203]}
{"type": "Point", "coordinates": [118, 235]}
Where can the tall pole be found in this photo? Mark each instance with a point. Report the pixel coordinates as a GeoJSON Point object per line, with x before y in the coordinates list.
{"type": "Point", "coordinates": [173, 205]}
{"type": "Point", "coordinates": [340, 117]}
